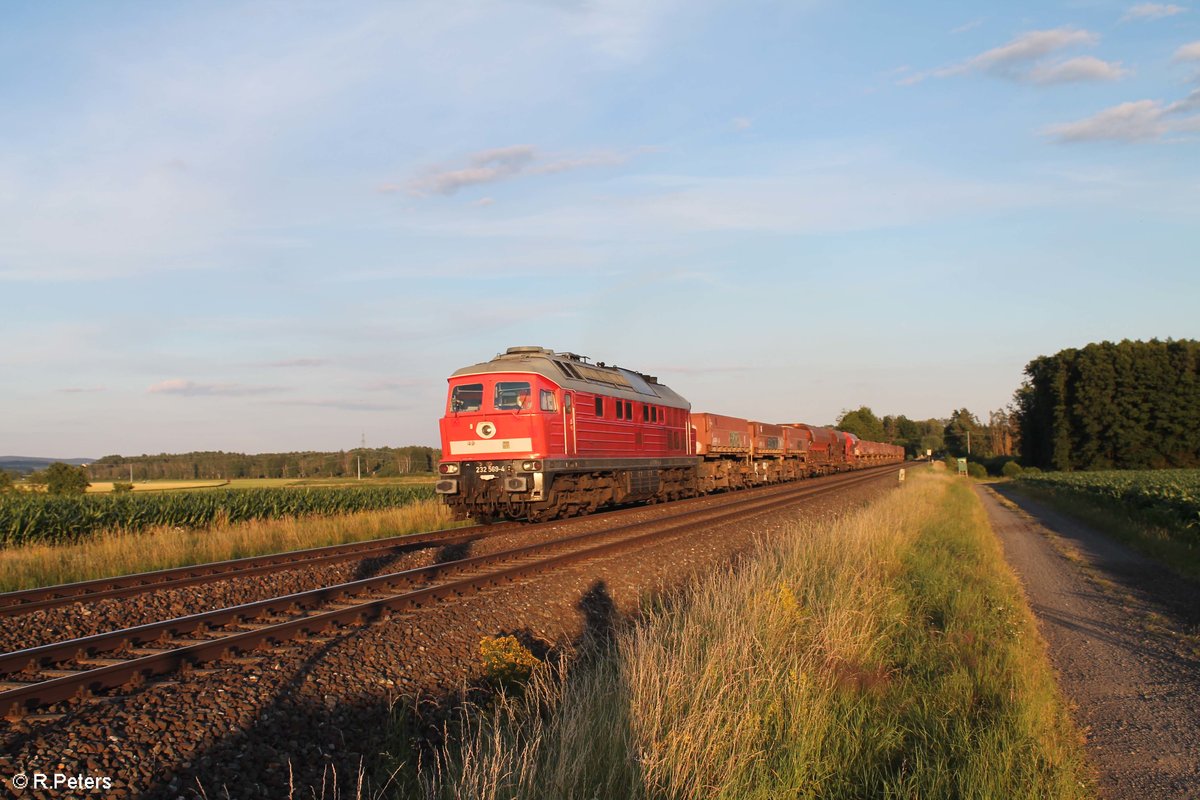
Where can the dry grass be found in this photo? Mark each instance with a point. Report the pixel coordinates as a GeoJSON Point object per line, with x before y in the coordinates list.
{"type": "Point", "coordinates": [103, 487]}
{"type": "Point", "coordinates": [887, 655]}
{"type": "Point", "coordinates": [160, 548]}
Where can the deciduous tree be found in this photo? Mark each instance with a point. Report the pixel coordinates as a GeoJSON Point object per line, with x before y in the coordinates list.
{"type": "Point", "coordinates": [64, 479]}
{"type": "Point", "coordinates": [863, 423]}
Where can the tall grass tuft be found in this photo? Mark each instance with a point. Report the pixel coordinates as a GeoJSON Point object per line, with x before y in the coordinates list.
{"type": "Point", "coordinates": [889, 654]}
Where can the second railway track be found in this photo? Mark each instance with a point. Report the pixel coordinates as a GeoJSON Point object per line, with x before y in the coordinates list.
{"type": "Point", "coordinates": [48, 674]}
{"type": "Point", "coordinates": [47, 597]}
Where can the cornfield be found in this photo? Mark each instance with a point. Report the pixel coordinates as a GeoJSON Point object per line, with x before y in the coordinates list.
{"type": "Point", "coordinates": [28, 518]}
{"type": "Point", "coordinates": [1172, 494]}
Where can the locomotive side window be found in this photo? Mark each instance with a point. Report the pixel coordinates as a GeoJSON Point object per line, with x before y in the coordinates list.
{"type": "Point", "coordinates": [468, 397]}
{"type": "Point", "coordinates": [620, 409]}
{"type": "Point", "coordinates": [645, 413]}
{"type": "Point", "coordinates": [548, 400]}
{"type": "Point", "coordinates": [599, 406]}
{"type": "Point", "coordinates": [628, 410]}
{"type": "Point", "coordinates": [511, 396]}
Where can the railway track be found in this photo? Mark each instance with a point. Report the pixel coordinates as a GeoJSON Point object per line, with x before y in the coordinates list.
{"type": "Point", "coordinates": [48, 674]}
{"type": "Point", "coordinates": [27, 600]}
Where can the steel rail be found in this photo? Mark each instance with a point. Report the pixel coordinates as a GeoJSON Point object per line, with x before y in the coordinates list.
{"type": "Point", "coordinates": [26, 600]}
{"type": "Point", "coordinates": [24, 697]}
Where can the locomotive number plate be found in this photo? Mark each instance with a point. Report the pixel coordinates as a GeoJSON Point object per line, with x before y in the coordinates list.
{"type": "Point", "coordinates": [489, 468]}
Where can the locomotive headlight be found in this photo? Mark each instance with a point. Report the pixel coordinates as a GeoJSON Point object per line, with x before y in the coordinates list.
{"type": "Point", "coordinates": [531, 466]}
{"type": "Point", "coordinates": [448, 469]}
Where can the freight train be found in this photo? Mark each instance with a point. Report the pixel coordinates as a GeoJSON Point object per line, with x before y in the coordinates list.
{"type": "Point", "coordinates": [536, 435]}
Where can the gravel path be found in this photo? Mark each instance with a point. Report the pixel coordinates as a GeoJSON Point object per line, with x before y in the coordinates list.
{"type": "Point", "coordinates": [1124, 636]}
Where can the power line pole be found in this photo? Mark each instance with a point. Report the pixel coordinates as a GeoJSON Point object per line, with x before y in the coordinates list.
{"type": "Point", "coordinates": [362, 446]}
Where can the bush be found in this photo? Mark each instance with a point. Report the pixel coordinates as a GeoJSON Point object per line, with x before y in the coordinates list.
{"type": "Point", "coordinates": [1028, 471]}
{"type": "Point", "coordinates": [120, 487]}
{"type": "Point", "coordinates": [995, 464]}
{"type": "Point", "coordinates": [506, 662]}
{"type": "Point", "coordinates": [1011, 470]}
{"type": "Point", "coordinates": [976, 470]}
{"type": "Point", "coordinates": [6, 482]}
{"type": "Point", "coordinates": [64, 479]}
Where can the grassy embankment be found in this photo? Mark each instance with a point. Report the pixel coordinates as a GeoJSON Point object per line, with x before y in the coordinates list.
{"type": "Point", "coordinates": [1156, 512]}
{"type": "Point", "coordinates": [890, 654]}
{"type": "Point", "coordinates": [120, 553]}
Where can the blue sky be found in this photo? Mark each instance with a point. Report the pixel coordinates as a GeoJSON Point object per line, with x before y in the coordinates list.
{"type": "Point", "coordinates": [279, 226]}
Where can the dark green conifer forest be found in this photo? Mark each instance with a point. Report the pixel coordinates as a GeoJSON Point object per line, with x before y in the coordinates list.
{"type": "Point", "coordinates": [1129, 405]}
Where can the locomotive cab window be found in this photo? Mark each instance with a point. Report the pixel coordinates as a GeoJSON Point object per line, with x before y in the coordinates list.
{"type": "Point", "coordinates": [548, 400]}
{"type": "Point", "coordinates": [468, 397]}
{"type": "Point", "coordinates": [512, 396]}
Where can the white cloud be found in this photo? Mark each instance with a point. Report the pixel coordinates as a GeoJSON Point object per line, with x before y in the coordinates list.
{"type": "Point", "coordinates": [1083, 68]}
{"type": "Point", "coordinates": [1127, 122]}
{"type": "Point", "coordinates": [1021, 59]}
{"type": "Point", "coordinates": [1027, 47]}
{"type": "Point", "coordinates": [623, 30]}
{"type": "Point", "coordinates": [836, 191]}
{"type": "Point", "coordinates": [1187, 104]}
{"type": "Point", "coordinates": [742, 123]}
{"type": "Point", "coordinates": [340, 405]}
{"type": "Point", "coordinates": [1152, 11]}
{"type": "Point", "coordinates": [1189, 52]}
{"type": "Point", "coordinates": [299, 362]}
{"type": "Point", "coordinates": [186, 388]}
{"type": "Point", "coordinates": [490, 166]}
{"type": "Point", "coordinates": [1141, 120]}
{"type": "Point", "coordinates": [967, 26]}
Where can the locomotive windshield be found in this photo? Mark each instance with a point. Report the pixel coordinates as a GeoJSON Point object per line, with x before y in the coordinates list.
{"type": "Point", "coordinates": [512, 396]}
{"type": "Point", "coordinates": [468, 397]}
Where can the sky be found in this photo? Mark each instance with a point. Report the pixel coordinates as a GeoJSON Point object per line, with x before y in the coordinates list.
{"type": "Point", "coordinates": [269, 226]}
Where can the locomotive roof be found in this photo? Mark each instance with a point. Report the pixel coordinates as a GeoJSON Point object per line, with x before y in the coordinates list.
{"type": "Point", "coordinates": [572, 371]}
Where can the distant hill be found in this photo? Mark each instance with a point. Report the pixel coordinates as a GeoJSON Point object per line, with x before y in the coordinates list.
{"type": "Point", "coordinates": [23, 465]}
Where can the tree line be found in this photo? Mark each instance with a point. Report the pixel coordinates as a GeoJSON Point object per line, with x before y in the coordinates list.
{"type": "Point", "coordinates": [380, 462]}
{"type": "Point", "coordinates": [1129, 405]}
{"type": "Point", "coordinates": [960, 434]}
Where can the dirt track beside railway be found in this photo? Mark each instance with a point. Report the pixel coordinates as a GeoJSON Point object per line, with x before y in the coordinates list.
{"type": "Point", "coordinates": [1124, 636]}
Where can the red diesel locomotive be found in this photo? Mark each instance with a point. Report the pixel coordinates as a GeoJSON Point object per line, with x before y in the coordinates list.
{"type": "Point", "coordinates": [534, 434]}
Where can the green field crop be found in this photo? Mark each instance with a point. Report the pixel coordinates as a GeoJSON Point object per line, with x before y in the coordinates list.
{"type": "Point", "coordinates": [1171, 495]}
{"type": "Point", "coordinates": [28, 517]}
